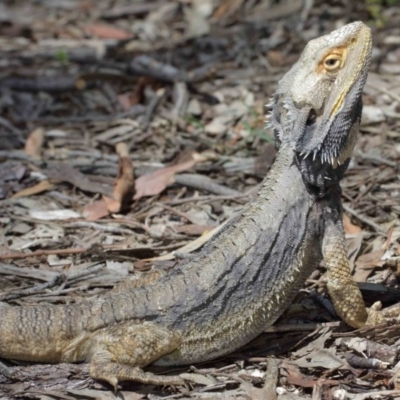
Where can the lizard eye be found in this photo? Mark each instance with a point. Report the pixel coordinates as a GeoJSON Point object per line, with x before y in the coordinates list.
{"type": "Point", "coordinates": [332, 63]}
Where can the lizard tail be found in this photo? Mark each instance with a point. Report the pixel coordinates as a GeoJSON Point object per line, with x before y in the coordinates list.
{"type": "Point", "coordinates": [38, 332]}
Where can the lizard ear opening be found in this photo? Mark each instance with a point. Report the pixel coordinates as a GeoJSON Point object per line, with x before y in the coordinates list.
{"type": "Point", "coordinates": [312, 117]}
{"type": "Point", "coordinates": [307, 129]}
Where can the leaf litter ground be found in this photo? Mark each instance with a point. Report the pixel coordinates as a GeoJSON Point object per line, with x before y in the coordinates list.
{"type": "Point", "coordinates": [130, 131]}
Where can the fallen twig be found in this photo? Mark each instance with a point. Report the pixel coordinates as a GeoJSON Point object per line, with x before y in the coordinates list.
{"type": "Point", "coordinates": [363, 219]}
{"type": "Point", "coordinates": [205, 183]}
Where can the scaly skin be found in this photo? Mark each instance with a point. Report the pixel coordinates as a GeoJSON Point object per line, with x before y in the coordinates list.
{"type": "Point", "coordinates": [246, 276]}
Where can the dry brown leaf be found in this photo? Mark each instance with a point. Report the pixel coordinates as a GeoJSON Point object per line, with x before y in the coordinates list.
{"type": "Point", "coordinates": [34, 143]}
{"type": "Point", "coordinates": [308, 382]}
{"type": "Point", "coordinates": [95, 211]}
{"type": "Point", "coordinates": [104, 31]}
{"type": "Point", "coordinates": [367, 262]}
{"type": "Point", "coordinates": [265, 160]}
{"type": "Point", "coordinates": [226, 9]}
{"type": "Point", "coordinates": [321, 358]}
{"type": "Point", "coordinates": [124, 185]}
{"type": "Point", "coordinates": [349, 227]}
{"type": "Point", "coordinates": [138, 93]}
{"type": "Point", "coordinates": [63, 172]}
{"type": "Point", "coordinates": [362, 273]}
{"type": "Point", "coordinates": [193, 229]}
{"type": "Point", "coordinates": [38, 188]}
{"type": "Point", "coordinates": [155, 182]}
{"type": "Point", "coordinates": [371, 259]}
{"type": "Point", "coordinates": [124, 101]}
{"type": "Point", "coordinates": [294, 377]}
{"type": "Point", "coordinates": [276, 58]}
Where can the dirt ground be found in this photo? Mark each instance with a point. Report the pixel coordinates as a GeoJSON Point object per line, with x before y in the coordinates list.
{"type": "Point", "coordinates": [131, 129]}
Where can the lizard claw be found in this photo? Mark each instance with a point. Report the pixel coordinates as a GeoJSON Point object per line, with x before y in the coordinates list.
{"type": "Point", "coordinates": [377, 316]}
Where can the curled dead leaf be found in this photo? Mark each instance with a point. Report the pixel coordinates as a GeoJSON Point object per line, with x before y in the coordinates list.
{"type": "Point", "coordinates": [349, 227]}
{"type": "Point", "coordinates": [155, 182]}
{"type": "Point", "coordinates": [40, 187]}
{"type": "Point", "coordinates": [124, 185]}
{"type": "Point", "coordinates": [104, 31]}
{"type": "Point", "coordinates": [34, 143]}
{"type": "Point", "coordinates": [95, 211]}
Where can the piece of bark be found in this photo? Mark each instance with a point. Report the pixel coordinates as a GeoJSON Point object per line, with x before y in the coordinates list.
{"type": "Point", "coordinates": [124, 185]}
{"type": "Point", "coordinates": [367, 363]}
{"type": "Point", "coordinates": [271, 379]}
{"type": "Point", "coordinates": [34, 143]}
{"type": "Point", "coordinates": [44, 83]}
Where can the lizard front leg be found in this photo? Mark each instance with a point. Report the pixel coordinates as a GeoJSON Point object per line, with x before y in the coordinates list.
{"type": "Point", "coordinates": [345, 294]}
{"type": "Point", "coordinates": [118, 353]}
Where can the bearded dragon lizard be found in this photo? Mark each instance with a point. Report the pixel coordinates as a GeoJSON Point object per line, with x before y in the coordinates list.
{"type": "Point", "coordinates": [245, 277]}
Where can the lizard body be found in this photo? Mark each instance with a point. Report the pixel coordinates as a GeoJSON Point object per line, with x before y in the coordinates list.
{"type": "Point", "coordinates": [218, 309]}
{"type": "Point", "coordinates": [245, 277]}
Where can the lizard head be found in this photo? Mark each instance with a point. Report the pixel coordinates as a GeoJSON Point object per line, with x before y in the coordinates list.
{"type": "Point", "coordinates": [317, 106]}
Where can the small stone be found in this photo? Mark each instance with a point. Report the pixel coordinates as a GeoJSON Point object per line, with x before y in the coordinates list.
{"type": "Point", "coordinates": [194, 107]}
{"type": "Point", "coordinates": [249, 99]}
{"type": "Point", "coordinates": [238, 109]}
{"type": "Point", "coordinates": [372, 115]}
{"type": "Point", "coordinates": [216, 127]}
